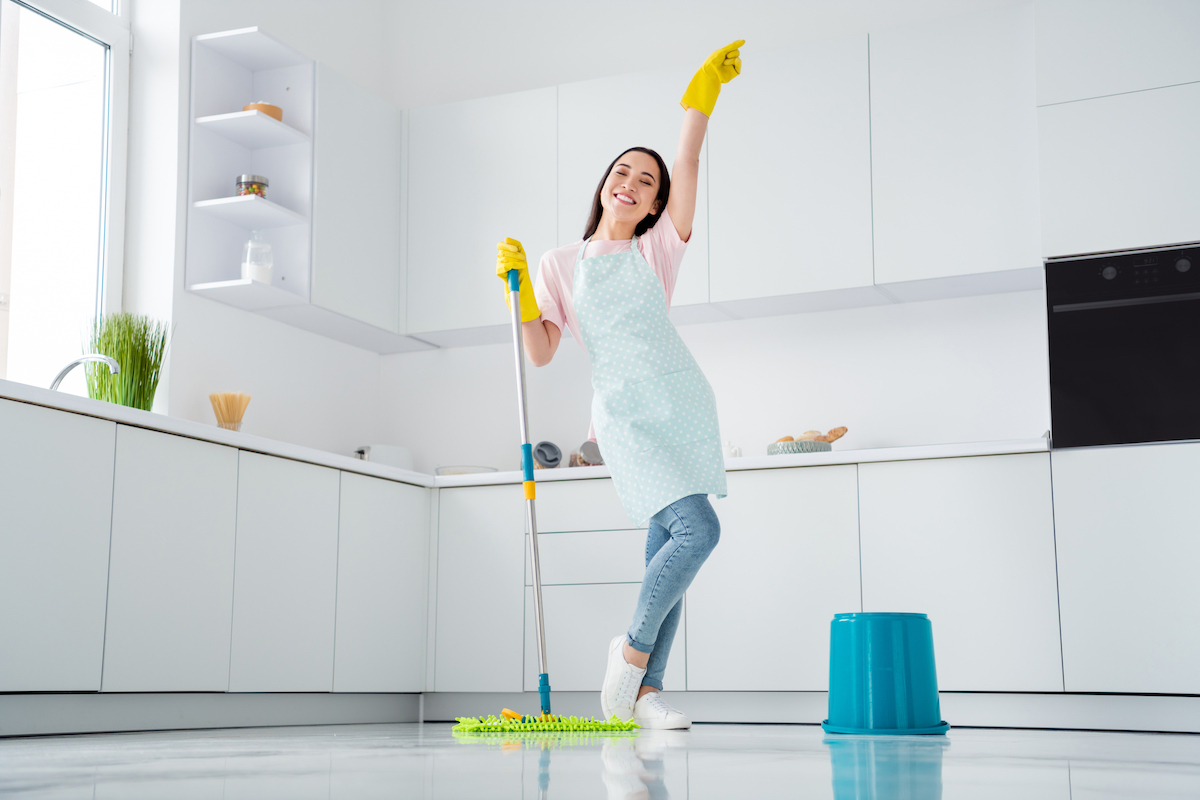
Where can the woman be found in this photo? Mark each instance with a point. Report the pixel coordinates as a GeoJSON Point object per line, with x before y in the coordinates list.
{"type": "Point", "coordinates": [653, 414]}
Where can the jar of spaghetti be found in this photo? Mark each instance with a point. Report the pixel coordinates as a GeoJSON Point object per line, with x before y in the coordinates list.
{"type": "Point", "coordinates": [252, 184]}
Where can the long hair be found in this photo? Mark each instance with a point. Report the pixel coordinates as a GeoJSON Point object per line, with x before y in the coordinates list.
{"type": "Point", "coordinates": [664, 192]}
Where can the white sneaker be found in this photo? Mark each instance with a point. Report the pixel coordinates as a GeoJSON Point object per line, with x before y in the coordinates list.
{"type": "Point", "coordinates": [653, 713]}
{"type": "Point", "coordinates": [621, 683]}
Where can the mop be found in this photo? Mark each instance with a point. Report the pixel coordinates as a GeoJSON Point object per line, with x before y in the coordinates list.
{"type": "Point", "coordinates": [510, 721]}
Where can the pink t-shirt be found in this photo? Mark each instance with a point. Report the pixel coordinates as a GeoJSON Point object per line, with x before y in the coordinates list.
{"type": "Point", "coordinates": [554, 288]}
{"type": "Point", "coordinates": [660, 246]}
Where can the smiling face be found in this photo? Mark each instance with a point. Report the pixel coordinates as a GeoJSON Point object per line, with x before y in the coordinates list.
{"type": "Point", "coordinates": [630, 192]}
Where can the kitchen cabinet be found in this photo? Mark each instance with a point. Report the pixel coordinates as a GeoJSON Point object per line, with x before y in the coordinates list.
{"type": "Point", "coordinates": [640, 110]}
{"type": "Point", "coordinates": [581, 621]}
{"type": "Point", "coordinates": [382, 570]}
{"type": "Point", "coordinates": [479, 171]}
{"type": "Point", "coordinates": [1126, 519]}
{"type": "Point", "coordinates": [970, 542]}
{"type": "Point", "coordinates": [1095, 48]}
{"type": "Point", "coordinates": [580, 505]}
{"type": "Point", "coordinates": [954, 149]}
{"type": "Point", "coordinates": [760, 608]}
{"type": "Point", "coordinates": [480, 600]}
{"type": "Point", "coordinates": [1119, 172]}
{"type": "Point", "coordinates": [790, 176]}
{"type": "Point", "coordinates": [56, 484]}
{"type": "Point", "coordinates": [170, 596]}
{"type": "Point", "coordinates": [356, 203]}
{"type": "Point", "coordinates": [285, 576]}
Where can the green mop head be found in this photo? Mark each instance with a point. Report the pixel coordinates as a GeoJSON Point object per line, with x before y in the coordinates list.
{"type": "Point", "coordinates": [510, 722]}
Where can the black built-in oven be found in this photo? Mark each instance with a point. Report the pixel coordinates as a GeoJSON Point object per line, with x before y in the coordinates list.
{"type": "Point", "coordinates": [1124, 336]}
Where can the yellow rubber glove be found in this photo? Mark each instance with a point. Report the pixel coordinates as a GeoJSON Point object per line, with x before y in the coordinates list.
{"type": "Point", "coordinates": [510, 255]}
{"type": "Point", "coordinates": [721, 67]}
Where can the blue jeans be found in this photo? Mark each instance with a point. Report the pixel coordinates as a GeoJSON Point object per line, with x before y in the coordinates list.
{"type": "Point", "coordinates": [679, 540]}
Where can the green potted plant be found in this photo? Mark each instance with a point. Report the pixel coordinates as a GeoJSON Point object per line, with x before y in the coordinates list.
{"type": "Point", "coordinates": [138, 343]}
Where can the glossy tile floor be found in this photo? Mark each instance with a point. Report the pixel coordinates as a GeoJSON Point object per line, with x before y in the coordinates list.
{"type": "Point", "coordinates": [711, 761]}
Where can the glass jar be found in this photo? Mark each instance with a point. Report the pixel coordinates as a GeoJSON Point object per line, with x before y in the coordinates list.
{"type": "Point", "coordinates": [257, 259]}
{"type": "Point", "coordinates": [252, 184]}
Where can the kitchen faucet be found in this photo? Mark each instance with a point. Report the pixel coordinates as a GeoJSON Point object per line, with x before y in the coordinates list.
{"type": "Point", "coordinates": [113, 367]}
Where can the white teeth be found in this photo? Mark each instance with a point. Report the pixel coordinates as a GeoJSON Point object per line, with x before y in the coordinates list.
{"type": "Point", "coordinates": [624, 198]}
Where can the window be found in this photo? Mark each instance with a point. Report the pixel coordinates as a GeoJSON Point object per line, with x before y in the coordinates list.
{"type": "Point", "coordinates": [64, 83]}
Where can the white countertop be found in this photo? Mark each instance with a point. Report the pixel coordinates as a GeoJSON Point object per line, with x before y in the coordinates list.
{"type": "Point", "coordinates": [195, 430]}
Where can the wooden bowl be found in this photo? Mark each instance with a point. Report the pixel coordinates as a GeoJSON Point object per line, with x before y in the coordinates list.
{"type": "Point", "coordinates": [266, 108]}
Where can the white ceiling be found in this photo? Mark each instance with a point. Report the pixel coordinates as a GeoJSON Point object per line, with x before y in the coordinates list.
{"type": "Point", "coordinates": [439, 51]}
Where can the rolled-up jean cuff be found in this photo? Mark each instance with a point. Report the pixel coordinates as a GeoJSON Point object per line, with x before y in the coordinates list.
{"type": "Point", "coordinates": [652, 682]}
{"type": "Point", "coordinates": [636, 645]}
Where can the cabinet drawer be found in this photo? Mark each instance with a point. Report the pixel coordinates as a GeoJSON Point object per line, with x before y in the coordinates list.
{"type": "Point", "coordinates": [590, 505]}
{"type": "Point", "coordinates": [589, 557]}
{"type": "Point", "coordinates": [580, 622]}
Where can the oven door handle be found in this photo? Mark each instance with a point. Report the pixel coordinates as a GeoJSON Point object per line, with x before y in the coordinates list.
{"type": "Point", "coordinates": [1129, 301]}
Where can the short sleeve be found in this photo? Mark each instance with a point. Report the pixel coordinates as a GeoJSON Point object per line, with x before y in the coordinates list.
{"type": "Point", "coordinates": [549, 293]}
{"type": "Point", "coordinates": [663, 249]}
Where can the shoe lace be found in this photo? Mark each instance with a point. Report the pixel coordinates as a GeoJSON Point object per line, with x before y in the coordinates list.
{"type": "Point", "coordinates": [659, 705]}
{"type": "Point", "coordinates": [627, 690]}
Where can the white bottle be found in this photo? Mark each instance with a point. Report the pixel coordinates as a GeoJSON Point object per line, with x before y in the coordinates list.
{"type": "Point", "coordinates": [257, 259]}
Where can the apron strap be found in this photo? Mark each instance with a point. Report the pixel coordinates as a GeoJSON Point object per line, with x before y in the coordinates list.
{"type": "Point", "coordinates": [633, 245]}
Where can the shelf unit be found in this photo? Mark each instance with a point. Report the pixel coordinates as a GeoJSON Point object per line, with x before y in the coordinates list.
{"type": "Point", "coordinates": [229, 70]}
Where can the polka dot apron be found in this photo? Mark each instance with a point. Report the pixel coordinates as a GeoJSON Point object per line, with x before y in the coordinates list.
{"type": "Point", "coordinates": [654, 411]}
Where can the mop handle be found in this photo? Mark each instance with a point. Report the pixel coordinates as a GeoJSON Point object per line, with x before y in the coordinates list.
{"type": "Point", "coordinates": [514, 296]}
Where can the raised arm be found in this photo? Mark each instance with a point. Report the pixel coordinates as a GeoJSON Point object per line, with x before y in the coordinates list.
{"type": "Point", "coordinates": [720, 67]}
{"type": "Point", "coordinates": [681, 205]}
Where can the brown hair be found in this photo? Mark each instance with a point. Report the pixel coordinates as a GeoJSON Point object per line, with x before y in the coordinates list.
{"type": "Point", "coordinates": [648, 222]}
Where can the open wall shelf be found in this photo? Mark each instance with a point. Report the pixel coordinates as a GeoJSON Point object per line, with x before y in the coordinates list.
{"type": "Point", "coordinates": [250, 212]}
{"type": "Point", "coordinates": [252, 129]}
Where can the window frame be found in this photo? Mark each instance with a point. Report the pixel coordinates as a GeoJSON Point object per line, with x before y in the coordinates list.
{"type": "Point", "coordinates": [113, 31]}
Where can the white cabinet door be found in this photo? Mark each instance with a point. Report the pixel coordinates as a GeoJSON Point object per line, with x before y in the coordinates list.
{"type": "Point", "coordinates": [787, 562]}
{"type": "Point", "coordinates": [589, 505]}
{"type": "Point", "coordinates": [356, 203]}
{"type": "Point", "coordinates": [1120, 172]}
{"type": "Point", "coordinates": [478, 171]}
{"type": "Point", "coordinates": [790, 174]}
{"type": "Point", "coordinates": [381, 589]}
{"type": "Point", "coordinates": [285, 576]}
{"type": "Point", "coordinates": [954, 147]}
{"type": "Point", "coordinates": [639, 110]}
{"type": "Point", "coordinates": [970, 542]}
{"type": "Point", "coordinates": [1127, 522]}
{"type": "Point", "coordinates": [580, 623]}
{"type": "Point", "coordinates": [56, 482]}
{"type": "Point", "coordinates": [170, 596]}
{"type": "Point", "coordinates": [480, 614]}
{"type": "Point", "coordinates": [1094, 48]}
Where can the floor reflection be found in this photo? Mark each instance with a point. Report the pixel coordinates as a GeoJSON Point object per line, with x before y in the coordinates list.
{"type": "Point", "coordinates": [710, 762]}
{"type": "Point", "coordinates": [886, 768]}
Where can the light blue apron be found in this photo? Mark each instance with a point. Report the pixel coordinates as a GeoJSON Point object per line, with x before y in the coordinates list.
{"type": "Point", "coordinates": [654, 411]}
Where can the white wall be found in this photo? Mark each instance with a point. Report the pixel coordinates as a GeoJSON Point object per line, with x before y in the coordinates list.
{"type": "Point", "coordinates": [962, 370]}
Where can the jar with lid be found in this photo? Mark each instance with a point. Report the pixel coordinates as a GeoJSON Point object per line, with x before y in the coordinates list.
{"type": "Point", "coordinates": [252, 184]}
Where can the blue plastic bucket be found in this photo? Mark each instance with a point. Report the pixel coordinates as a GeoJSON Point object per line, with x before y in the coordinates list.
{"type": "Point", "coordinates": [882, 678]}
